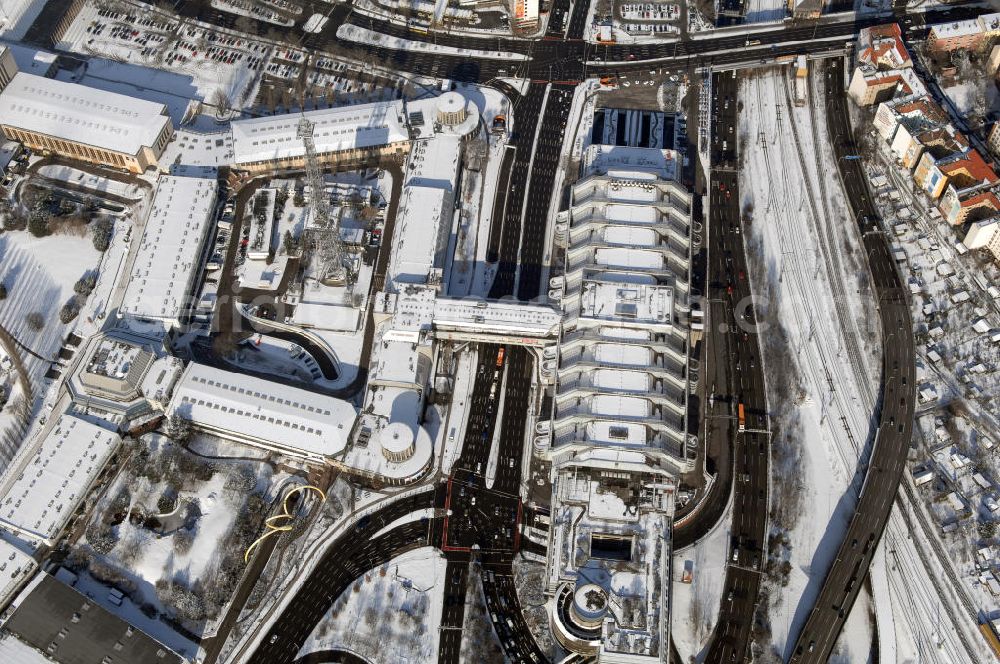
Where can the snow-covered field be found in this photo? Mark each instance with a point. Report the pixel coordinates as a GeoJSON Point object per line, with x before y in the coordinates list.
{"type": "Point", "coordinates": [391, 614]}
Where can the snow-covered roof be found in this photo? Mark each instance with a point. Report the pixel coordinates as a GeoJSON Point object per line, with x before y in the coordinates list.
{"type": "Point", "coordinates": [79, 114]}
{"type": "Point", "coordinates": [44, 486]}
{"type": "Point", "coordinates": [415, 240]}
{"type": "Point", "coordinates": [169, 255]}
{"type": "Point", "coordinates": [264, 413]}
{"type": "Point", "coordinates": [956, 29]}
{"type": "Point", "coordinates": [634, 162]}
{"type": "Point", "coordinates": [513, 317]}
{"type": "Point", "coordinates": [882, 46]}
{"type": "Point", "coordinates": [15, 568]}
{"type": "Point", "coordinates": [334, 130]}
{"type": "Point", "coordinates": [633, 302]}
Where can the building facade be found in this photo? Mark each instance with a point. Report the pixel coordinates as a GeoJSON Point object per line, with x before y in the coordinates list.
{"type": "Point", "coordinates": [7, 66]}
{"type": "Point", "coordinates": [84, 124]}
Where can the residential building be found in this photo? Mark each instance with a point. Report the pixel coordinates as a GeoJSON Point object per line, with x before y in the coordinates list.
{"type": "Point", "coordinates": [807, 9]}
{"type": "Point", "coordinates": [882, 47]}
{"type": "Point", "coordinates": [993, 63]}
{"type": "Point", "coordinates": [993, 140]}
{"type": "Point", "coordinates": [870, 85]}
{"type": "Point", "coordinates": [961, 170]}
{"type": "Point", "coordinates": [990, 25]}
{"type": "Point", "coordinates": [526, 13]}
{"type": "Point", "coordinates": [984, 234]}
{"type": "Point", "coordinates": [947, 37]}
{"type": "Point", "coordinates": [171, 251]}
{"type": "Point", "coordinates": [83, 123]}
{"type": "Point", "coordinates": [960, 206]}
{"type": "Point", "coordinates": [919, 113]}
{"type": "Point", "coordinates": [939, 143]}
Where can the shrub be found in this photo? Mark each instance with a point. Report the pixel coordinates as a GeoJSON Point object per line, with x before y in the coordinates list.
{"type": "Point", "coordinates": [101, 233]}
{"type": "Point", "coordinates": [70, 310]}
{"type": "Point", "coordinates": [85, 284]}
{"type": "Point", "coordinates": [14, 221]}
{"type": "Point", "coordinates": [38, 224]}
{"type": "Point", "coordinates": [35, 320]}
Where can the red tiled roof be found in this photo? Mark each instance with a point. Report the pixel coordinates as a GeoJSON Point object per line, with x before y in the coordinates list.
{"type": "Point", "coordinates": [972, 163]}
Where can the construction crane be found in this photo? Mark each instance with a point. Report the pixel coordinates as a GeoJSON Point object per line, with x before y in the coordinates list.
{"type": "Point", "coordinates": [322, 243]}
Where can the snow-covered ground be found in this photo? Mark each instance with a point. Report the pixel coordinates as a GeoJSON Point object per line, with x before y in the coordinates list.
{"type": "Point", "coordinates": [39, 274]}
{"type": "Point", "coordinates": [805, 264]}
{"type": "Point", "coordinates": [696, 604]}
{"type": "Point", "coordinates": [391, 614]}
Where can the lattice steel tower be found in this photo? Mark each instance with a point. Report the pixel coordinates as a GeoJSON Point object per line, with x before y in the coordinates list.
{"type": "Point", "coordinates": [325, 250]}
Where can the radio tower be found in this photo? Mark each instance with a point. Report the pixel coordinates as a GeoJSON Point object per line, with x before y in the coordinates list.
{"type": "Point", "coordinates": [323, 237]}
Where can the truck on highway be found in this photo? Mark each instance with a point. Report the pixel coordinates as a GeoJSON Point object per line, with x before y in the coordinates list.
{"type": "Point", "coordinates": [741, 414]}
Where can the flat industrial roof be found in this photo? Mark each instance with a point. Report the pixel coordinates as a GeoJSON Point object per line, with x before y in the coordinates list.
{"type": "Point", "coordinates": [76, 113]}
{"type": "Point", "coordinates": [334, 130]}
{"type": "Point", "coordinates": [262, 411]}
{"type": "Point", "coordinates": [169, 255]}
{"type": "Point", "coordinates": [43, 487]}
{"type": "Point", "coordinates": [51, 614]}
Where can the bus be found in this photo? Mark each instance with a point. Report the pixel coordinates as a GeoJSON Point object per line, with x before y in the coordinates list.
{"type": "Point", "coordinates": [742, 418]}
{"type": "Point", "coordinates": [500, 354]}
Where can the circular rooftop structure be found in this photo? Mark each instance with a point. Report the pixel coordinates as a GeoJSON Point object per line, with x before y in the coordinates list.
{"type": "Point", "coordinates": [451, 109]}
{"type": "Point", "coordinates": [398, 442]}
{"type": "Point", "coordinates": [590, 603]}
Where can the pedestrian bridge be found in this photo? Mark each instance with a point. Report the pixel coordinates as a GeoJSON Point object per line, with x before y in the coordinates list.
{"type": "Point", "coordinates": [506, 322]}
{"type": "Point", "coordinates": [419, 312]}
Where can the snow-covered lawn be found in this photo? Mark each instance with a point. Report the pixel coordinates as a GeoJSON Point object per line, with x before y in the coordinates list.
{"type": "Point", "coordinates": [391, 614]}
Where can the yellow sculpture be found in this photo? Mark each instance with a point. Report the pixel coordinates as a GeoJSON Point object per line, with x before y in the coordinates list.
{"type": "Point", "coordinates": [280, 523]}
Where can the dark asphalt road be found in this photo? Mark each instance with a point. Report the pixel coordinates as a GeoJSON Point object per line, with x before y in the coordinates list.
{"type": "Point", "coordinates": [734, 358]}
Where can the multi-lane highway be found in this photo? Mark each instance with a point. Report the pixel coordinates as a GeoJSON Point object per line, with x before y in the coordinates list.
{"type": "Point", "coordinates": [350, 556]}
{"type": "Point", "coordinates": [885, 470]}
{"type": "Point", "coordinates": [737, 381]}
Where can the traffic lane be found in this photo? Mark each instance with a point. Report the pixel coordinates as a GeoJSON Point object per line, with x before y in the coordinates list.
{"type": "Point", "coordinates": [729, 284]}
{"type": "Point", "coordinates": [339, 568]}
